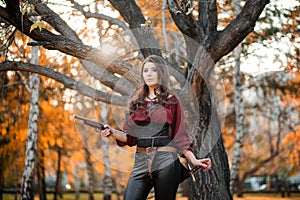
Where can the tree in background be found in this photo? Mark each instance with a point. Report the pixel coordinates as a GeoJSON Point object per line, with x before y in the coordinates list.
{"type": "Point", "coordinates": [32, 136]}
{"type": "Point", "coordinates": [15, 100]}
{"type": "Point", "coordinates": [281, 40]}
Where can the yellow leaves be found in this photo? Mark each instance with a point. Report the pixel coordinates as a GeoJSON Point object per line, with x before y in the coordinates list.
{"type": "Point", "coordinates": [43, 59]}
{"type": "Point", "coordinates": [59, 142]}
{"type": "Point", "coordinates": [28, 7]}
{"type": "Point", "coordinates": [99, 167]}
{"type": "Point", "coordinates": [51, 141]}
{"type": "Point", "coordinates": [3, 131]}
{"type": "Point", "coordinates": [23, 134]}
{"type": "Point", "coordinates": [297, 78]}
{"type": "Point", "coordinates": [38, 25]}
{"type": "Point", "coordinates": [78, 156]}
{"type": "Point", "coordinates": [292, 142]}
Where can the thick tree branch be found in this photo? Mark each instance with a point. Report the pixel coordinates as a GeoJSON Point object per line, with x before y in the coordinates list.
{"type": "Point", "coordinates": [66, 81]}
{"type": "Point", "coordinates": [76, 49]}
{"type": "Point", "coordinates": [213, 18]}
{"type": "Point", "coordinates": [238, 29]}
{"type": "Point", "coordinates": [133, 16]}
{"type": "Point", "coordinates": [207, 17]}
{"type": "Point", "coordinates": [54, 20]}
{"type": "Point", "coordinates": [99, 73]}
{"type": "Point", "coordinates": [47, 39]}
{"type": "Point", "coordinates": [187, 24]}
{"type": "Point", "coordinates": [117, 84]}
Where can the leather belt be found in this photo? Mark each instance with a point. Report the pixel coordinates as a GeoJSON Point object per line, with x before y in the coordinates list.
{"type": "Point", "coordinates": [153, 141]}
{"type": "Point", "coordinates": [151, 151]}
{"type": "Point", "coordinates": [148, 150]}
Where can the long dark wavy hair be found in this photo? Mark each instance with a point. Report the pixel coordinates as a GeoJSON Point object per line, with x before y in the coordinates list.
{"type": "Point", "coordinates": [162, 91]}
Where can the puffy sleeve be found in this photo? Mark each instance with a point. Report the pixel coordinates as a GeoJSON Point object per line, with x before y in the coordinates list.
{"type": "Point", "coordinates": [179, 132]}
{"type": "Point", "coordinates": [131, 139]}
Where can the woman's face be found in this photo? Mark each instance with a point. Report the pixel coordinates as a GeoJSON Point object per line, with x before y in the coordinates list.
{"type": "Point", "coordinates": [150, 74]}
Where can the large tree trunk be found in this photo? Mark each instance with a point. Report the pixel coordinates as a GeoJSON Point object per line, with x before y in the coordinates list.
{"type": "Point", "coordinates": [31, 142]}
{"type": "Point", "coordinates": [214, 184]}
{"type": "Point", "coordinates": [208, 142]}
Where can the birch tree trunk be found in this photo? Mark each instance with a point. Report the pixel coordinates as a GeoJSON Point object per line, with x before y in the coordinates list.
{"type": "Point", "coordinates": [208, 142]}
{"type": "Point", "coordinates": [31, 141]}
{"type": "Point", "coordinates": [239, 121]}
{"type": "Point", "coordinates": [239, 114]}
{"type": "Point", "coordinates": [105, 144]}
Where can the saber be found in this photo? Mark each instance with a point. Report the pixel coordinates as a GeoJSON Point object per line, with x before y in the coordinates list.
{"type": "Point", "coordinates": [192, 171]}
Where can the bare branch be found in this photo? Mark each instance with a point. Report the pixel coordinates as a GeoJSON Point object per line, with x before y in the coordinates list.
{"type": "Point", "coordinates": [66, 81]}
{"type": "Point", "coordinates": [213, 19]}
{"type": "Point", "coordinates": [208, 17]}
{"type": "Point", "coordinates": [54, 20]}
{"type": "Point", "coordinates": [79, 50]}
{"type": "Point", "coordinates": [111, 20]}
{"type": "Point", "coordinates": [24, 81]}
{"type": "Point", "coordinates": [134, 17]}
{"type": "Point", "coordinates": [187, 24]}
{"type": "Point", "coordinates": [238, 29]}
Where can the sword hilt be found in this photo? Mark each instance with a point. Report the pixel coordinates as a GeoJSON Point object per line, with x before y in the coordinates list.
{"type": "Point", "coordinates": [192, 171]}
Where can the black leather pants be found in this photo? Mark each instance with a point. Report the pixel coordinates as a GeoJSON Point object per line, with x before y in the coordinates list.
{"type": "Point", "coordinates": [164, 177]}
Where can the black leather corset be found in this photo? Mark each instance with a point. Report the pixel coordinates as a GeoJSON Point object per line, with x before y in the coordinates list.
{"type": "Point", "coordinates": [152, 135]}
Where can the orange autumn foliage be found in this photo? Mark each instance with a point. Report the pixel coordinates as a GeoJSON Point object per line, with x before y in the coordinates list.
{"type": "Point", "coordinates": [292, 143]}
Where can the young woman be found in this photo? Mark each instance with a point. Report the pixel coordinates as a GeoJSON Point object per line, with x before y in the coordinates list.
{"type": "Point", "coordinates": [155, 124]}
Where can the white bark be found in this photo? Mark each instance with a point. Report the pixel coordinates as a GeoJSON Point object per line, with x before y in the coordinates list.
{"type": "Point", "coordinates": [31, 142]}
{"type": "Point", "coordinates": [239, 114]}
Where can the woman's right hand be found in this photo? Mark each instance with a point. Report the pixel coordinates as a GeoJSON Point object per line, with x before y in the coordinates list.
{"type": "Point", "coordinates": [114, 133]}
{"type": "Point", "coordinates": [106, 132]}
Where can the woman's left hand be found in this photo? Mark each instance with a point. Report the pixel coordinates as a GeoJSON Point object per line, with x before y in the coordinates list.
{"type": "Point", "coordinates": [205, 163]}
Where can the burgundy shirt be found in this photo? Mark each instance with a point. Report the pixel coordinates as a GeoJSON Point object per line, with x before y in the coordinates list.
{"type": "Point", "coordinates": [170, 114]}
